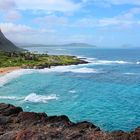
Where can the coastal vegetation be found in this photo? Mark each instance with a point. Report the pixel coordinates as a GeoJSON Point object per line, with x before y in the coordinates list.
{"type": "Point", "coordinates": [32, 60]}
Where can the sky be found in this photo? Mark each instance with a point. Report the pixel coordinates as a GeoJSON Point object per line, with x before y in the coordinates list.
{"type": "Point", "coordinates": [104, 23]}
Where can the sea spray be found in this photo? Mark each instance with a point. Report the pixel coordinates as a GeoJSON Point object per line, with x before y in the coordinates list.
{"type": "Point", "coordinates": [34, 98]}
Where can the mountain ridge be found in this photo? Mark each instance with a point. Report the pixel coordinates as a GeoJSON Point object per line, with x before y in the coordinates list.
{"type": "Point", "coordinates": [60, 45]}
{"type": "Point", "coordinates": [6, 45]}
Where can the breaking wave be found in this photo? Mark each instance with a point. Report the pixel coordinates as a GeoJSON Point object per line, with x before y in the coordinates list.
{"type": "Point", "coordinates": [138, 62]}
{"type": "Point", "coordinates": [73, 69]}
{"type": "Point", "coordinates": [13, 75]}
{"type": "Point", "coordinates": [33, 98]}
{"type": "Point", "coordinates": [106, 62]}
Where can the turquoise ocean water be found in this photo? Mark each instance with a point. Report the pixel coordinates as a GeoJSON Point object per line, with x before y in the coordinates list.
{"type": "Point", "coordinates": [106, 91]}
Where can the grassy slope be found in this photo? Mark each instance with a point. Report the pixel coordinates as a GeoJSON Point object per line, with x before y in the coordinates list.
{"type": "Point", "coordinates": [40, 61]}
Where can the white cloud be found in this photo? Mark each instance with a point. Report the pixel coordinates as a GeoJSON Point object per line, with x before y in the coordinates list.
{"type": "Point", "coordinates": [10, 28]}
{"type": "Point", "coordinates": [47, 5]}
{"type": "Point", "coordinates": [52, 20]}
{"type": "Point", "coordinates": [126, 19]}
{"type": "Point", "coordinates": [8, 8]}
{"type": "Point", "coordinates": [25, 34]}
{"type": "Point", "coordinates": [78, 24]}
{"type": "Point", "coordinates": [13, 8]}
{"type": "Point", "coordinates": [7, 4]}
{"type": "Point", "coordinates": [12, 15]}
{"type": "Point", "coordinates": [112, 2]}
{"type": "Point", "coordinates": [120, 2]}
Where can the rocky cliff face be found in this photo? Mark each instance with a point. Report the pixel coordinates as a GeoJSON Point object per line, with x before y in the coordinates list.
{"type": "Point", "coordinates": [18, 125]}
{"type": "Point", "coordinates": [6, 45]}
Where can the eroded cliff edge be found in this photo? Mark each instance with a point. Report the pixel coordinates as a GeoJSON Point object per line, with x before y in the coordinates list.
{"type": "Point", "coordinates": [15, 124]}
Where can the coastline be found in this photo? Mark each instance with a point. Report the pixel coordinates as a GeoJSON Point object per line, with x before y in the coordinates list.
{"type": "Point", "coordinates": [19, 125]}
{"type": "Point", "coordinates": [15, 124]}
{"type": "Point", "coordinates": [6, 70]}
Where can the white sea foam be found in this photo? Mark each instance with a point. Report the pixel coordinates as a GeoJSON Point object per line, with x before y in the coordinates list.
{"type": "Point", "coordinates": [138, 62]}
{"type": "Point", "coordinates": [106, 62]}
{"type": "Point", "coordinates": [131, 73]}
{"type": "Point", "coordinates": [34, 98]}
{"type": "Point", "coordinates": [90, 60]}
{"type": "Point", "coordinates": [73, 69]}
{"type": "Point", "coordinates": [84, 70]}
{"type": "Point", "coordinates": [80, 56]}
{"type": "Point", "coordinates": [72, 91]}
{"type": "Point", "coordinates": [10, 97]}
{"type": "Point", "coordinates": [13, 75]}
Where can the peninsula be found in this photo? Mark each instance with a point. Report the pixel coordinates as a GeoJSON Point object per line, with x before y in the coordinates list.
{"type": "Point", "coordinates": [12, 57]}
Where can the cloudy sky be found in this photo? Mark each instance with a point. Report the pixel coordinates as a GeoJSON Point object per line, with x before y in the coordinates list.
{"type": "Point", "coordinates": [108, 23]}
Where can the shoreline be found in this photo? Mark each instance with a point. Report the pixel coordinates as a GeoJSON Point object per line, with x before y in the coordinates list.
{"type": "Point", "coordinates": [33, 61]}
{"type": "Point", "coordinates": [5, 70]}
{"type": "Point", "coordinates": [36, 61]}
{"type": "Point", "coordinates": [17, 124]}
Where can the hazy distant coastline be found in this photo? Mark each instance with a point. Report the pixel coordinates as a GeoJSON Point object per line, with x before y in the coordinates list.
{"type": "Point", "coordinates": [59, 45]}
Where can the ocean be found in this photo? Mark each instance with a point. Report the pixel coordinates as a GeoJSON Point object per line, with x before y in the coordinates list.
{"type": "Point", "coordinates": [105, 91]}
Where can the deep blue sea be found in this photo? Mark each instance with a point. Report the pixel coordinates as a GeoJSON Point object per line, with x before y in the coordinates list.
{"type": "Point", "coordinates": [106, 91]}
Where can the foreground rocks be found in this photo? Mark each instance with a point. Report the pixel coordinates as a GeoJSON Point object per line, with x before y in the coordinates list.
{"type": "Point", "coordinates": [18, 125]}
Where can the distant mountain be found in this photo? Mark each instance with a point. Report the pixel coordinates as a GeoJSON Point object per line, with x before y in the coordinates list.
{"type": "Point", "coordinates": [127, 46]}
{"type": "Point", "coordinates": [79, 45]}
{"type": "Point", "coordinates": [63, 45]}
{"type": "Point", "coordinates": [6, 45]}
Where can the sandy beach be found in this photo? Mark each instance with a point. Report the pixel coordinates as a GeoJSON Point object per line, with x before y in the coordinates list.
{"type": "Point", "coordinates": [8, 70]}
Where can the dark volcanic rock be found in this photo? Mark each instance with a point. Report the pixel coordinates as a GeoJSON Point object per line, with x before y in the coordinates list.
{"type": "Point", "coordinates": [18, 125]}
{"type": "Point", "coordinates": [7, 110]}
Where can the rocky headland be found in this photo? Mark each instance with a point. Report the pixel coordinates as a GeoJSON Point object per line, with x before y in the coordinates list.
{"type": "Point", "coordinates": [15, 124]}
